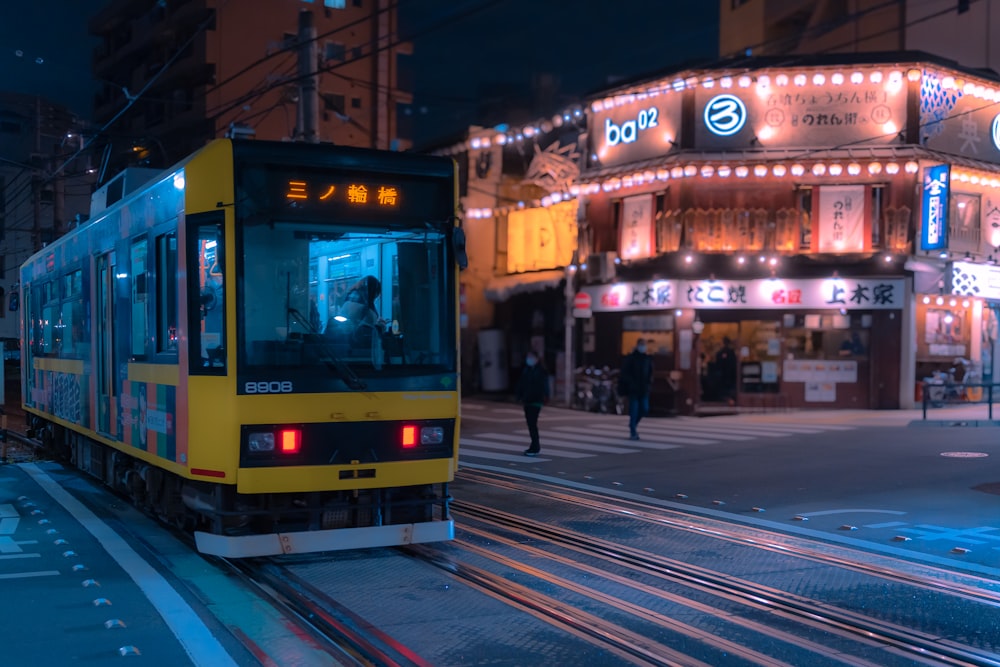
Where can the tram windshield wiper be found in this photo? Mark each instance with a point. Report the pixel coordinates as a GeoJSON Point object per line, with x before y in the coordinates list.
{"type": "Point", "coordinates": [328, 356]}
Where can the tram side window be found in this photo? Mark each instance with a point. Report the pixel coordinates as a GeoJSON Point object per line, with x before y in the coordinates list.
{"type": "Point", "coordinates": [206, 294]}
{"type": "Point", "coordinates": [140, 327]}
{"type": "Point", "coordinates": [72, 330]}
{"type": "Point", "coordinates": [44, 316]}
{"type": "Point", "coordinates": [166, 302]}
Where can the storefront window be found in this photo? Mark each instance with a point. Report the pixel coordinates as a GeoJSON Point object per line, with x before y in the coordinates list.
{"type": "Point", "coordinates": [656, 330]}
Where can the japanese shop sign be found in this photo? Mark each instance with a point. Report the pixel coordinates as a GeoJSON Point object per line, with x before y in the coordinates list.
{"type": "Point", "coordinates": [642, 128]}
{"type": "Point", "coordinates": [769, 294]}
{"type": "Point", "coordinates": [725, 115]}
{"type": "Point", "coordinates": [637, 227]}
{"type": "Point", "coordinates": [841, 218]}
{"type": "Point", "coordinates": [934, 221]}
{"type": "Point", "coordinates": [541, 238]}
{"type": "Point", "coordinates": [955, 120]}
{"type": "Point", "coordinates": [969, 279]}
{"type": "Point", "coordinates": [807, 108]}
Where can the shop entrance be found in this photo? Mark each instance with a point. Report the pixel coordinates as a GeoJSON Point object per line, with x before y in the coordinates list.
{"type": "Point", "coordinates": [718, 362]}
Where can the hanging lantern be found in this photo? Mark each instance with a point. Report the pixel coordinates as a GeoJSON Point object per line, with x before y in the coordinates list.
{"type": "Point", "coordinates": [836, 169]}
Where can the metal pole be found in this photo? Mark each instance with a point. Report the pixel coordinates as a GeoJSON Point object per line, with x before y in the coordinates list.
{"type": "Point", "coordinates": [990, 409]}
{"type": "Point", "coordinates": [570, 324]}
{"type": "Point", "coordinates": [308, 98]}
{"type": "Point", "coordinates": [924, 399]}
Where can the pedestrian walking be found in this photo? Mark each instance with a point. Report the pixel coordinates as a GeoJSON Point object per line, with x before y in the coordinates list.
{"type": "Point", "coordinates": [533, 392]}
{"type": "Point", "coordinates": [634, 382]}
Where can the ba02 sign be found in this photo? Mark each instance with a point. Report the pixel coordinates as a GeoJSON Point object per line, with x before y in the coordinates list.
{"type": "Point", "coordinates": [934, 223]}
{"type": "Point", "coordinates": [628, 131]}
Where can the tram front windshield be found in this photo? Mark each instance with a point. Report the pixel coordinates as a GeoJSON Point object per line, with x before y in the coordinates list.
{"type": "Point", "coordinates": [372, 299]}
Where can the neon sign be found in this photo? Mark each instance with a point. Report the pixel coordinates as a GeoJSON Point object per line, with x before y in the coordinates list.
{"type": "Point", "coordinates": [356, 194]}
{"type": "Point", "coordinates": [725, 115]}
{"type": "Point", "coordinates": [934, 232]}
{"type": "Point", "coordinates": [628, 131]}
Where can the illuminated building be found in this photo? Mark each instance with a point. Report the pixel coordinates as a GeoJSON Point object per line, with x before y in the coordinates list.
{"type": "Point", "coordinates": [804, 212]}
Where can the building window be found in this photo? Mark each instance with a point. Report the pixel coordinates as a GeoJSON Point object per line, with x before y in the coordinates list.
{"type": "Point", "coordinates": [335, 51]}
{"type": "Point", "coordinates": [803, 198]}
{"type": "Point", "coordinates": [333, 102]}
{"type": "Point", "coordinates": [357, 3]}
{"type": "Point", "coordinates": [964, 231]}
{"type": "Point", "coordinates": [355, 102]}
{"type": "Point", "coordinates": [739, 3]}
{"type": "Point", "coordinates": [356, 52]}
{"type": "Point", "coordinates": [878, 209]}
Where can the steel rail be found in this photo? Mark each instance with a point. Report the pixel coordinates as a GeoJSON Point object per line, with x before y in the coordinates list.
{"type": "Point", "coordinates": [755, 537]}
{"type": "Point", "coordinates": [903, 639]}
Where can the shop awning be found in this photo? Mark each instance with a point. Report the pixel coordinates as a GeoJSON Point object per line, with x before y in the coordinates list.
{"type": "Point", "coordinates": [502, 288]}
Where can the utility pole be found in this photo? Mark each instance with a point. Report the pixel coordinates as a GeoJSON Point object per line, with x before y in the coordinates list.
{"type": "Point", "coordinates": [36, 181]}
{"type": "Point", "coordinates": [308, 97]}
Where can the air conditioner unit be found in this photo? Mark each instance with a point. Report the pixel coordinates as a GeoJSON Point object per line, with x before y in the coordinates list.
{"type": "Point", "coordinates": [601, 267]}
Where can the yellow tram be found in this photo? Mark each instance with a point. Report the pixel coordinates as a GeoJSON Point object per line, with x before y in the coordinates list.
{"type": "Point", "coordinates": [260, 344]}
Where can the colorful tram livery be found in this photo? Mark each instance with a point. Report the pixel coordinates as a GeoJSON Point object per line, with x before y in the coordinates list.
{"type": "Point", "coordinates": [260, 345]}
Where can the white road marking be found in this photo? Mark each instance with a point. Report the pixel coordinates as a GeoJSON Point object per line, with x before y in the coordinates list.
{"type": "Point", "coordinates": [555, 453]}
{"type": "Point", "coordinates": [198, 641]}
{"type": "Point", "coordinates": [662, 438]}
{"type": "Point", "coordinates": [522, 436]}
{"type": "Point", "coordinates": [27, 575]}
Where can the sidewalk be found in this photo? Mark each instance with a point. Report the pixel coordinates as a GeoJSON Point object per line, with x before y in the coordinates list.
{"type": "Point", "coordinates": [964, 415]}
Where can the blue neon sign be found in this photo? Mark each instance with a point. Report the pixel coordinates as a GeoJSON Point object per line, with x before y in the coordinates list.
{"type": "Point", "coordinates": [934, 227]}
{"type": "Point", "coordinates": [725, 115]}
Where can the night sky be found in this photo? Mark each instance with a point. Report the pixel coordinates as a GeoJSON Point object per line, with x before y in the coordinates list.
{"type": "Point", "coordinates": [463, 50]}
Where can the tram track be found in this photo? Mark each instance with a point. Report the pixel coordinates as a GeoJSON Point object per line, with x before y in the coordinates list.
{"type": "Point", "coordinates": [514, 531]}
{"type": "Point", "coordinates": [345, 635]}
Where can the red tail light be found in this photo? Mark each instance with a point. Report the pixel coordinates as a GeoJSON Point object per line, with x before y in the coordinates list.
{"type": "Point", "coordinates": [409, 436]}
{"type": "Point", "coordinates": [291, 441]}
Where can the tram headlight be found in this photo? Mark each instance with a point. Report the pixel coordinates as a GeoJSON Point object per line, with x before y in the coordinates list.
{"type": "Point", "coordinates": [261, 442]}
{"type": "Point", "coordinates": [431, 435]}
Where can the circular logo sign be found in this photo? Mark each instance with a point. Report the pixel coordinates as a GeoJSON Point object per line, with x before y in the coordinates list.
{"type": "Point", "coordinates": [725, 115]}
{"type": "Point", "coordinates": [965, 455]}
{"type": "Point", "coordinates": [995, 131]}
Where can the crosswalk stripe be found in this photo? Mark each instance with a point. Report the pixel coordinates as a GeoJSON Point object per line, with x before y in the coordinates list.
{"type": "Point", "coordinates": [788, 426]}
{"type": "Point", "coordinates": [604, 442]}
{"type": "Point", "coordinates": [554, 452]}
{"type": "Point", "coordinates": [668, 441]}
{"type": "Point", "coordinates": [772, 428]}
{"type": "Point", "coordinates": [473, 406]}
{"type": "Point", "coordinates": [547, 441]}
{"type": "Point", "coordinates": [499, 457]}
{"type": "Point", "coordinates": [711, 432]}
{"type": "Point", "coordinates": [682, 431]}
{"type": "Point", "coordinates": [668, 427]}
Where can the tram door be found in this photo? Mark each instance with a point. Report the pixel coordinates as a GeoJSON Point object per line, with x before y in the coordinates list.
{"type": "Point", "coordinates": [105, 342]}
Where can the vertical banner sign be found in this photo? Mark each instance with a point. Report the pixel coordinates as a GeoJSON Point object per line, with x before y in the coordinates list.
{"type": "Point", "coordinates": [636, 227]}
{"type": "Point", "coordinates": [841, 218]}
{"type": "Point", "coordinates": [934, 223]}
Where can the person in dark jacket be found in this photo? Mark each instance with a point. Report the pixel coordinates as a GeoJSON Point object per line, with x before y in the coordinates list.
{"type": "Point", "coordinates": [533, 392]}
{"type": "Point", "coordinates": [634, 382]}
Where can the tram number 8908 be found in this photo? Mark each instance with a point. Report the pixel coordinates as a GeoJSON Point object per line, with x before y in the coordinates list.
{"type": "Point", "coordinates": [284, 387]}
